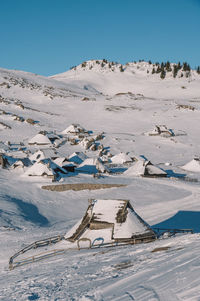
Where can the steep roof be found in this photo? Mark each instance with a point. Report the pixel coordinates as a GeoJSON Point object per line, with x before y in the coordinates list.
{"type": "Point", "coordinates": [74, 129]}
{"type": "Point", "coordinates": [62, 161]}
{"type": "Point", "coordinates": [92, 165]}
{"type": "Point", "coordinates": [40, 139]}
{"type": "Point", "coordinates": [111, 220]}
{"type": "Point", "coordinates": [24, 162]}
{"type": "Point", "coordinates": [121, 158]}
{"type": "Point", "coordinates": [193, 165]}
{"type": "Point", "coordinates": [44, 167]}
{"type": "Point", "coordinates": [143, 167]}
{"type": "Point", "coordinates": [43, 154]}
{"type": "Point", "coordinates": [3, 147]}
{"type": "Point", "coordinates": [77, 157]}
{"type": "Point", "coordinates": [161, 130]}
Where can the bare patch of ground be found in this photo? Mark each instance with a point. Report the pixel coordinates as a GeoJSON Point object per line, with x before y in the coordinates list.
{"type": "Point", "coordinates": [80, 186]}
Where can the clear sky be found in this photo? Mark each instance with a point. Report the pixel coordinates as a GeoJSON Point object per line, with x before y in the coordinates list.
{"type": "Point", "coordinates": [50, 36]}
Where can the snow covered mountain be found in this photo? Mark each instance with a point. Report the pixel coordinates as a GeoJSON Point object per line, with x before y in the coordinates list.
{"type": "Point", "coordinates": [101, 110]}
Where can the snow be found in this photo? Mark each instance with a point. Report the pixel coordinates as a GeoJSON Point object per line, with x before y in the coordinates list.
{"type": "Point", "coordinates": [40, 139]}
{"type": "Point", "coordinates": [121, 158]}
{"type": "Point", "coordinates": [28, 213]}
{"type": "Point", "coordinates": [73, 129]}
{"type": "Point", "coordinates": [43, 154]}
{"type": "Point", "coordinates": [193, 165]}
{"type": "Point", "coordinates": [143, 166]}
{"type": "Point", "coordinates": [92, 166]}
{"type": "Point", "coordinates": [137, 169]}
{"type": "Point", "coordinates": [134, 79]}
{"type": "Point", "coordinates": [39, 169]}
{"type": "Point", "coordinates": [106, 211]}
{"type": "Point", "coordinates": [132, 226]}
{"type": "Point", "coordinates": [77, 157]}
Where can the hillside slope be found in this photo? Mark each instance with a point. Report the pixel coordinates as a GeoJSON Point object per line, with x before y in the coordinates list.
{"type": "Point", "coordinates": [108, 78]}
{"type": "Point", "coordinates": [124, 107]}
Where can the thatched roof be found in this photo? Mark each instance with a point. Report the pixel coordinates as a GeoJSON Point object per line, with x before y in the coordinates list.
{"type": "Point", "coordinates": [77, 157]}
{"type": "Point", "coordinates": [112, 220]}
{"type": "Point", "coordinates": [44, 167]}
{"type": "Point", "coordinates": [92, 166]}
{"type": "Point", "coordinates": [193, 165]}
{"type": "Point", "coordinates": [143, 167]}
{"type": "Point", "coordinates": [43, 154]}
{"type": "Point", "coordinates": [121, 158]}
{"type": "Point", "coordinates": [39, 139]}
{"type": "Point", "coordinates": [74, 128]}
{"type": "Point", "coordinates": [161, 130]}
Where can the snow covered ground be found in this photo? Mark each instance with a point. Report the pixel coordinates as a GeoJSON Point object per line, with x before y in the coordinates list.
{"type": "Point", "coordinates": [100, 102]}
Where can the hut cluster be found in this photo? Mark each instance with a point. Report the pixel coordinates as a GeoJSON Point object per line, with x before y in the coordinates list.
{"type": "Point", "coordinates": [47, 155]}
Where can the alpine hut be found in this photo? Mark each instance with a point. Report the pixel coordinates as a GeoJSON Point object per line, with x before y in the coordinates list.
{"type": "Point", "coordinates": [161, 130]}
{"type": "Point", "coordinates": [143, 167]}
{"type": "Point", "coordinates": [109, 222]}
{"type": "Point", "coordinates": [45, 168]}
{"type": "Point", "coordinates": [193, 165]}
{"type": "Point", "coordinates": [44, 154]}
{"type": "Point", "coordinates": [92, 166]}
{"type": "Point", "coordinates": [40, 139]}
{"type": "Point", "coordinates": [121, 158]}
{"type": "Point", "coordinates": [75, 129]}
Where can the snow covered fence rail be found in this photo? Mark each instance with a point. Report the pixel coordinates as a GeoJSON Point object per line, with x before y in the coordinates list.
{"type": "Point", "coordinates": [35, 245]}
{"type": "Point", "coordinates": [53, 240]}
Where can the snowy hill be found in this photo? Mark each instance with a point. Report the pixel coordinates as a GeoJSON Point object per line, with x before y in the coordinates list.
{"type": "Point", "coordinates": [112, 78]}
{"type": "Point", "coordinates": [96, 111]}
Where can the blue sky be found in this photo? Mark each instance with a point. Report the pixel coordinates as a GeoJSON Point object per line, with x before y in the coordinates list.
{"type": "Point", "coordinates": [50, 36]}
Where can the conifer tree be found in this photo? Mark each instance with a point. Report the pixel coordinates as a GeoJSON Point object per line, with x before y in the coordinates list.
{"type": "Point", "coordinates": [175, 70]}
{"type": "Point", "coordinates": [179, 66]}
{"type": "Point", "coordinates": [153, 70]}
{"type": "Point", "coordinates": [168, 66]}
{"type": "Point", "coordinates": [158, 69]}
{"type": "Point", "coordinates": [162, 74]}
{"type": "Point", "coordinates": [121, 68]}
{"type": "Point", "coordinates": [186, 67]}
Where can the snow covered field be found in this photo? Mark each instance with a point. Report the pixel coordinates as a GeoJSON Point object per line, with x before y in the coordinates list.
{"type": "Point", "coordinates": [99, 101]}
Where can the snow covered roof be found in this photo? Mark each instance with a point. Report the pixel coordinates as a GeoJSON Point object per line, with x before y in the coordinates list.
{"type": "Point", "coordinates": [74, 129]}
{"type": "Point", "coordinates": [143, 167]}
{"type": "Point", "coordinates": [77, 157]}
{"type": "Point", "coordinates": [63, 162]}
{"type": "Point", "coordinates": [92, 166]}
{"type": "Point", "coordinates": [87, 142]}
{"type": "Point", "coordinates": [121, 158]}
{"type": "Point", "coordinates": [193, 165]}
{"type": "Point", "coordinates": [3, 147]}
{"type": "Point", "coordinates": [52, 136]}
{"type": "Point", "coordinates": [24, 162]}
{"type": "Point", "coordinates": [40, 139]}
{"type": "Point", "coordinates": [43, 154]}
{"type": "Point", "coordinates": [111, 220]}
{"type": "Point", "coordinates": [161, 130]}
{"type": "Point", "coordinates": [44, 167]}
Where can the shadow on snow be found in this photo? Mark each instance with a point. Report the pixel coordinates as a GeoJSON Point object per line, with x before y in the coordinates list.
{"type": "Point", "coordinates": [28, 211]}
{"type": "Point", "coordinates": [182, 220]}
